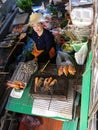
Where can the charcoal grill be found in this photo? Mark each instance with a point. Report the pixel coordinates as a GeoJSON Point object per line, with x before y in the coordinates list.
{"type": "Point", "coordinates": [58, 91]}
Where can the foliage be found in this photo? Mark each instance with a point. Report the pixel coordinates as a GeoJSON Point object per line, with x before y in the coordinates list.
{"type": "Point", "coordinates": [53, 10]}
{"type": "Point", "coordinates": [63, 23]}
{"type": "Point", "coordinates": [25, 5]}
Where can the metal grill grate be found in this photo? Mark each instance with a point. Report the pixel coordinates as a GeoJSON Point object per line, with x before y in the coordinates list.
{"type": "Point", "coordinates": [54, 107]}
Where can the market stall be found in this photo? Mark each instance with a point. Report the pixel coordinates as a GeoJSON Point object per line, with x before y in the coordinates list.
{"type": "Point", "coordinates": [72, 34]}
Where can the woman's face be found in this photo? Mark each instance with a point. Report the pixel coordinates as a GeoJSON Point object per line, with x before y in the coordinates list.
{"type": "Point", "coordinates": [38, 27]}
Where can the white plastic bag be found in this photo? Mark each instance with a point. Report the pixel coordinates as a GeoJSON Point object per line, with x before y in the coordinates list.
{"type": "Point", "coordinates": [80, 56]}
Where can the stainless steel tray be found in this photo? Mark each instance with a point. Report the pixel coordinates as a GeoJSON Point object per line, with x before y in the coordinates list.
{"type": "Point", "coordinates": [20, 19]}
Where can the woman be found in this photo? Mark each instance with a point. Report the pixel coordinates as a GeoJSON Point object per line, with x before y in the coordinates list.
{"type": "Point", "coordinates": [45, 46]}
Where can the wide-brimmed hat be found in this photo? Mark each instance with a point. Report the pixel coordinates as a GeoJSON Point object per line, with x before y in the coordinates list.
{"type": "Point", "coordinates": [36, 18]}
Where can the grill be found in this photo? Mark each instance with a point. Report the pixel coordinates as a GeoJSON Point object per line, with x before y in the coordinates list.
{"type": "Point", "coordinates": [58, 106]}
{"type": "Point", "coordinates": [58, 100]}
{"type": "Point", "coordinates": [58, 91]}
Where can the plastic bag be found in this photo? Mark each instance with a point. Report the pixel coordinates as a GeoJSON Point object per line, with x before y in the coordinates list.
{"type": "Point", "coordinates": [62, 57]}
{"type": "Point", "coordinates": [30, 122]}
{"type": "Point", "coordinates": [80, 56]}
{"type": "Point", "coordinates": [78, 45]}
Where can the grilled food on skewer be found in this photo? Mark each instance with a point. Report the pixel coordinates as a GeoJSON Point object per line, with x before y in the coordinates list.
{"type": "Point", "coordinates": [36, 84]}
{"type": "Point", "coordinates": [12, 85]}
{"type": "Point", "coordinates": [40, 81]}
{"type": "Point", "coordinates": [71, 70]}
{"type": "Point", "coordinates": [65, 70]}
{"type": "Point", "coordinates": [46, 83]}
{"type": "Point", "coordinates": [15, 84]}
{"type": "Point", "coordinates": [54, 81]}
{"type": "Point", "coordinates": [19, 83]}
{"type": "Point", "coordinates": [60, 71]}
{"type": "Point", "coordinates": [49, 80]}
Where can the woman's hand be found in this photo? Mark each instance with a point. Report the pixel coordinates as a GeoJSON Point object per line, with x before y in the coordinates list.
{"type": "Point", "coordinates": [52, 53]}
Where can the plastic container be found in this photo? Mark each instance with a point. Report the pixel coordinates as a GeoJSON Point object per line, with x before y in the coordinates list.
{"type": "Point", "coordinates": [82, 16]}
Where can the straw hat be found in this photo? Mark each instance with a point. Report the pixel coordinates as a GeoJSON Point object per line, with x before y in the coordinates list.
{"type": "Point", "coordinates": [35, 18]}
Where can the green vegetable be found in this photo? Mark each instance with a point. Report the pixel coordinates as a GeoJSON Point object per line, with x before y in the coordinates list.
{"type": "Point", "coordinates": [25, 5]}
{"type": "Point", "coordinates": [66, 47]}
{"type": "Point", "coordinates": [63, 23]}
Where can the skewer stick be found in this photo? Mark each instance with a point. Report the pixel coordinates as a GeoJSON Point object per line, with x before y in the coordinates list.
{"type": "Point", "coordinates": [45, 66]}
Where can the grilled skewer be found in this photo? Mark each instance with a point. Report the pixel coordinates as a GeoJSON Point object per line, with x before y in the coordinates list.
{"type": "Point", "coordinates": [60, 71]}
{"type": "Point", "coordinates": [36, 84]}
{"type": "Point", "coordinates": [71, 70]}
{"type": "Point", "coordinates": [46, 83]}
{"type": "Point", "coordinates": [53, 82]}
{"type": "Point", "coordinates": [65, 70]}
{"type": "Point", "coordinates": [15, 84]}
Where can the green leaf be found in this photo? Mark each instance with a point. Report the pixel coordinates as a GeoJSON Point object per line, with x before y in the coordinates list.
{"type": "Point", "coordinates": [25, 5]}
